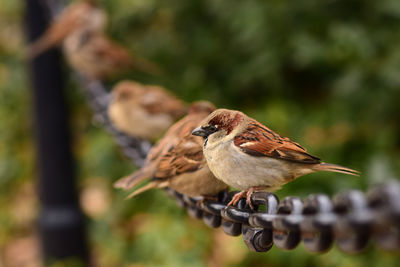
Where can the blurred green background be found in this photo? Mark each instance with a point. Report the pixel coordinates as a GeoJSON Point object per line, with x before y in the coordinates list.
{"type": "Point", "coordinates": [324, 73]}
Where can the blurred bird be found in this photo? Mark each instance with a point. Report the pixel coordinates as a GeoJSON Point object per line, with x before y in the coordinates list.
{"type": "Point", "coordinates": [144, 111]}
{"type": "Point", "coordinates": [78, 15]}
{"type": "Point", "coordinates": [80, 29]}
{"type": "Point", "coordinates": [95, 55]}
{"type": "Point", "coordinates": [249, 156]}
{"type": "Point", "coordinates": [177, 160]}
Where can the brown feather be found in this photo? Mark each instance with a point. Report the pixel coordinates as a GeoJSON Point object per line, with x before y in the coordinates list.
{"type": "Point", "coordinates": [105, 57]}
{"type": "Point", "coordinates": [250, 156]}
{"type": "Point", "coordinates": [94, 54]}
{"type": "Point", "coordinates": [328, 167]}
{"type": "Point", "coordinates": [259, 140]}
{"type": "Point", "coordinates": [72, 17]}
{"type": "Point", "coordinates": [159, 100]}
{"type": "Point", "coordinates": [152, 107]}
{"type": "Point", "coordinates": [186, 156]}
{"type": "Point", "coordinates": [151, 185]}
{"type": "Point", "coordinates": [135, 178]}
{"type": "Point", "coordinates": [182, 128]}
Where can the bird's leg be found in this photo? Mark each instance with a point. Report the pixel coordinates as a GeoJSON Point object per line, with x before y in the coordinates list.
{"type": "Point", "coordinates": [251, 191]}
{"type": "Point", "coordinates": [237, 197]}
{"type": "Point", "coordinates": [248, 197]}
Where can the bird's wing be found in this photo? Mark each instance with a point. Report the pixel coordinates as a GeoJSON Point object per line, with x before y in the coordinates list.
{"type": "Point", "coordinates": [108, 51]}
{"type": "Point", "coordinates": [160, 157]}
{"type": "Point", "coordinates": [119, 56]}
{"type": "Point", "coordinates": [135, 178]}
{"type": "Point", "coordinates": [174, 135]}
{"type": "Point", "coordinates": [258, 140]}
{"type": "Point", "coordinates": [158, 100]}
{"type": "Point", "coordinates": [186, 156]}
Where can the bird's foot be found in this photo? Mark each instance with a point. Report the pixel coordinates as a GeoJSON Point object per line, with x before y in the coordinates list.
{"type": "Point", "coordinates": [244, 194]}
{"type": "Point", "coordinates": [248, 197]}
{"type": "Point", "coordinates": [237, 197]}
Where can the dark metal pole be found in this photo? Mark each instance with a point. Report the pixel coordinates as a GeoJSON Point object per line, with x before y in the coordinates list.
{"type": "Point", "coordinates": [61, 223]}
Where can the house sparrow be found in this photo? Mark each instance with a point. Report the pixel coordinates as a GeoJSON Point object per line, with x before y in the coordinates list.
{"type": "Point", "coordinates": [177, 160]}
{"type": "Point", "coordinates": [81, 14]}
{"type": "Point", "coordinates": [80, 30]}
{"type": "Point", "coordinates": [94, 54]}
{"type": "Point", "coordinates": [249, 156]}
{"type": "Point", "coordinates": [144, 111]}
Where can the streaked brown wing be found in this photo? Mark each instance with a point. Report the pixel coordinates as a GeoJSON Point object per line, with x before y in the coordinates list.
{"type": "Point", "coordinates": [158, 100]}
{"type": "Point", "coordinates": [110, 52]}
{"type": "Point", "coordinates": [258, 140]}
{"type": "Point", "coordinates": [172, 137]}
{"type": "Point", "coordinates": [187, 156]}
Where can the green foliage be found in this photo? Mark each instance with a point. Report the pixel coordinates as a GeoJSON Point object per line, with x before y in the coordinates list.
{"type": "Point", "coordinates": [324, 73]}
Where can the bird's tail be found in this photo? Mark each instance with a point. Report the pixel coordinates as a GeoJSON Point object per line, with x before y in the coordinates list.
{"type": "Point", "coordinates": [134, 179]}
{"type": "Point", "coordinates": [151, 185]}
{"type": "Point", "coordinates": [335, 168]}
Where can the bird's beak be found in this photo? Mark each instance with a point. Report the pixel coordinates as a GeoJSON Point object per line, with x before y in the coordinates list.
{"type": "Point", "coordinates": [200, 131]}
{"type": "Point", "coordinates": [204, 131]}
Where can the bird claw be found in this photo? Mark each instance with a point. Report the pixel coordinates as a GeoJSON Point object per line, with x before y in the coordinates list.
{"type": "Point", "coordinates": [248, 199]}
{"type": "Point", "coordinates": [240, 195]}
{"type": "Point", "coordinates": [243, 194]}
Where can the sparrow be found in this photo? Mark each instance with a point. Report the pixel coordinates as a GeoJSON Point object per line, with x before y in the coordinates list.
{"type": "Point", "coordinates": [78, 15]}
{"type": "Point", "coordinates": [80, 30]}
{"type": "Point", "coordinates": [144, 111]}
{"type": "Point", "coordinates": [177, 160]}
{"type": "Point", "coordinates": [96, 56]}
{"type": "Point", "coordinates": [249, 156]}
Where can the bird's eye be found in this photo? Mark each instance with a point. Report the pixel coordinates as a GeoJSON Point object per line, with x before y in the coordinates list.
{"type": "Point", "coordinates": [213, 128]}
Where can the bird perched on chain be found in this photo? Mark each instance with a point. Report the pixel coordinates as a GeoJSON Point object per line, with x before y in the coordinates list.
{"type": "Point", "coordinates": [249, 156]}
{"type": "Point", "coordinates": [144, 111]}
{"type": "Point", "coordinates": [78, 15]}
{"type": "Point", "coordinates": [80, 30]}
{"type": "Point", "coordinates": [177, 160]}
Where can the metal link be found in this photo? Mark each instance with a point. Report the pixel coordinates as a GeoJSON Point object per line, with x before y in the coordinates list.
{"type": "Point", "coordinates": [257, 240]}
{"type": "Point", "coordinates": [286, 234]}
{"type": "Point", "coordinates": [316, 227]}
{"type": "Point", "coordinates": [352, 228]}
{"type": "Point", "coordinates": [212, 212]}
{"type": "Point", "coordinates": [238, 215]}
{"type": "Point", "coordinates": [385, 203]}
{"type": "Point", "coordinates": [260, 239]}
{"type": "Point", "coordinates": [212, 220]}
{"type": "Point", "coordinates": [234, 217]}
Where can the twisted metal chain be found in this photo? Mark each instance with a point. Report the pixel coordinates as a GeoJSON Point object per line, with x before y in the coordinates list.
{"type": "Point", "coordinates": [352, 219]}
